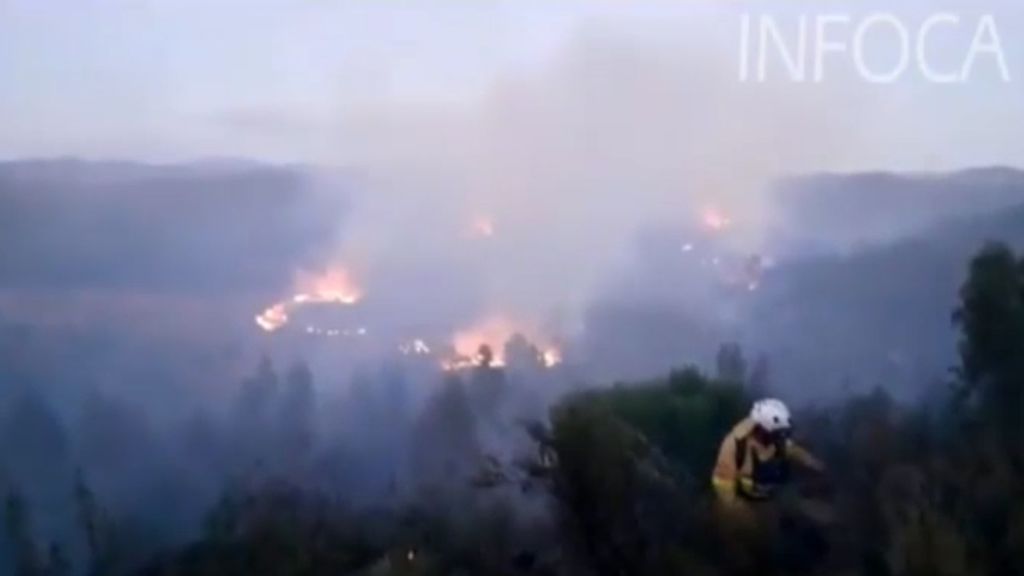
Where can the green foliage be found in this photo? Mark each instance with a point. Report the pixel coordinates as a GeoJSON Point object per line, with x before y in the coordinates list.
{"type": "Point", "coordinates": [276, 531]}
{"type": "Point", "coordinates": [28, 558]}
{"type": "Point", "coordinates": [446, 444]}
{"type": "Point", "coordinates": [620, 507]}
{"type": "Point", "coordinates": [98, 530]}
{"type": "Point", "coordinates": [623, 475]}
{"type": "Point", "coordinates": [685, 416]}
{"type": "Point", "coordinates": [27, 561]}
{"type": "Point", "coordinates": [296, 414]}
{"type": "Point", "coordinates": [991, 318]}
{"type": "Point", "coordinates": [732, 365]}
{"type": "Point", "coordinates": [914, 491]}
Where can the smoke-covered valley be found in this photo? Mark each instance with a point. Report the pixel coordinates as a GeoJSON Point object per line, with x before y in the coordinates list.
{"type": "Point", "coordinates": [133, 358]}
{"type": "Point", "coordinates": [446, 288]}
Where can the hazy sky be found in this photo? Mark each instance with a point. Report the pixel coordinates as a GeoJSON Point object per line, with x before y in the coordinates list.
{"type": "Point", "coordinates": [282, 80]}
{"type": "Point", "coordinates": [571, 123]}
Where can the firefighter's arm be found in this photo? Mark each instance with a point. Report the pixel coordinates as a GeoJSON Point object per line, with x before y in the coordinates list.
{"type": "Point", "coordinates": [724, 474]}
{"type": "Point", "coordinates": [800, 455]}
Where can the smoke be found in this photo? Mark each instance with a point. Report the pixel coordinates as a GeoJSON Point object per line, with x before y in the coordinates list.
{"type": "Point", "coordinates": [567, 197]}
{"type": "Point", "coordinates": [571, 159]}
{"type": "Point", "coordinates": [71, 225]}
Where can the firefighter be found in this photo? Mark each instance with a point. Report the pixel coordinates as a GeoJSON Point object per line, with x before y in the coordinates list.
{"type": "Point", "coordinates": [754, 459]}
{"type": "Point", "coordinates": [755, 518]}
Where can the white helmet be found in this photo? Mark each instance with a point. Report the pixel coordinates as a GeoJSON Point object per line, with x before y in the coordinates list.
{"type": "Point", "coordinates": [770, 414]}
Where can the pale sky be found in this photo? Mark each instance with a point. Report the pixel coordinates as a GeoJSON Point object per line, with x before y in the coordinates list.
{"type": "Point", "coordinates": [571, 123]}
{"type": "Point", "coordinates": [281, 80]}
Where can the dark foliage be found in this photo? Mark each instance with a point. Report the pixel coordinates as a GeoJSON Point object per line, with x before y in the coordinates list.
{"type": "Point", "coordinates": [616, 483]}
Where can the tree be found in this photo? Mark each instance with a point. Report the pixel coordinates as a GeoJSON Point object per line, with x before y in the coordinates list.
{"type": "Point", "coordinates": [685, 415]}
{"type": "Point", "coordinates": [446, 447]}
{"type": "Point", "coordinates": [622, 510]}
{"type": "Point", "coordinates": [523, 356]}
{"type": "Point", "coordinates": [296, 413]}
{"type": "Point", "coordinates": [991, 319]}
{"type": "Point", "coordinates": [485, 355]}
{"type": "Point", "coordinates": [97, 528]}
{"type": "Point", "coordinates": [254, 417]}
{"type": "Point", "coordinates": [760, 379]}
{"type": "Point", "coordinates": [987, 456]}
{"type": "Point", "coordinates": [274, 530]}
{"type": "Point", "coordinates": [732, 366]}
{"type": "Point", "coordinates": [33, 440]}
{"type": "Point", "coordinates": [27, 561]}
{"type": "Point", "coordinates": [258, 394]}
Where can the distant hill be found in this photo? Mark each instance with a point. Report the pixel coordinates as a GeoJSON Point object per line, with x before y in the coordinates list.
{"type": "Point", "coordinates": [220, 225]}
{"type": "Point", "coordinates": [843, 212]}
{"type": "Point", "coordinates": [878, 316]}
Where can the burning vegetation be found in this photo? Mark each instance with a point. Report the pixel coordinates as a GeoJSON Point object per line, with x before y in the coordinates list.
{"type": "Point", "coordinates": [483, 344]}
{"type": "Point", "coordinates": [481, 227]}
{"type": "Point", "coordinates": [714, 219]}
{"type": "Point", "coordinates": [334, 287]}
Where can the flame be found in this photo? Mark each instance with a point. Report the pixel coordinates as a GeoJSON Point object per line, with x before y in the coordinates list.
{"type": "Point", "coordinates": [333, 286]}
{"type": "Point", "coordinates": [459, 363]}
{"type": "Point", "coordinates": [272, 318]}
{"type": "Point", "coordinates": [482, 227]}
{"type": "Point", "coordinates": [495, 332]}
{"type": "Point", "coordinates": [715, 219]}
{"type": "Point", "coordinates": [464, 350]}
{"type": "Point", "coordinates": [551, 357]}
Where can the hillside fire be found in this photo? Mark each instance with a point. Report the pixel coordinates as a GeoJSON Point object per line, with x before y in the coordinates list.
{"type": "Point", "coordinates": [334, 286]}
{"type": "Point", "coordinates": [714, 219]}
{"type": "Point", "coordinates": [481, 227]}
{"type": "Point", "coordinates": [485, 344]}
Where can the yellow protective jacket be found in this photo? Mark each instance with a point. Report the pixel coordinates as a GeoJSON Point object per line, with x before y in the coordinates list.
{"type": "Point", "coordinates": [743, 459]}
